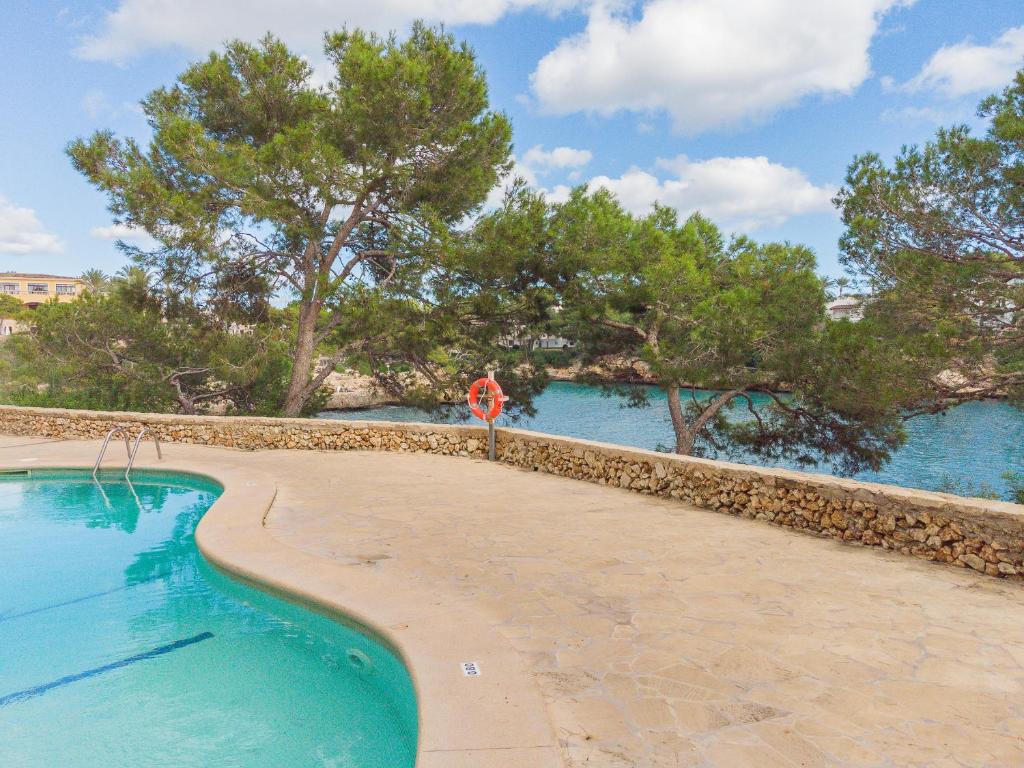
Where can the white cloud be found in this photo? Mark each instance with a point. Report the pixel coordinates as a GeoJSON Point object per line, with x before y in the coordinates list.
{"type": "Point", "coordinates": [738, 193]}
{"type": "Point", "coordinates": [22, 233]}
{"type": "Point", "coordinates": [929, 116]}
{"type": "Point", "coordinates": [537, 162]}
{"type": "Point", "coordinates": [708, 62]}
{"type": "Point", "coordinates": [119, 232]}
{"type": "Point", "coordinates": [957, 70]}
{"type": "Point", "coordinates": [95, 103]}
{"type": "Point", "coordinates": [541, 159]}
{"type": "Point", "coordinates": [137, 26]}
{"type": "Point", "coordinates": [521, 170]}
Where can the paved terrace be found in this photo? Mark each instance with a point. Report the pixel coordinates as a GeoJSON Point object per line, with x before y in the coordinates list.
{"type": "Point", "coordinates": [663, 635]}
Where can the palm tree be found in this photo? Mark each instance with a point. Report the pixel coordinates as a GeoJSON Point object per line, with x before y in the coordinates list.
{"type": "Point", "coordinates": [133, 278]}
{"type": "Point", "coordinates": [132, 274]}
{"type": "Point", "coordinates": [841, 283]}
{"type": "Point", "coordinates": [95, 281]}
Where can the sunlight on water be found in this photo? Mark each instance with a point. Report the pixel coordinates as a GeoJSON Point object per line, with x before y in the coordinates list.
{"type": "Point", "coordinates": [120, 646]}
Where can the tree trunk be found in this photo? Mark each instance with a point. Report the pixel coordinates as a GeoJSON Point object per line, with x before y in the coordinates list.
{"type": "Point", "coordinates": [302, 360]}
{"type": "Point", "coordinates": [684, 438]}
{"type": "Point", "coordinates": [686, 434]}
{"type": "Point", "coordinates": [527, 347]}
{"type": "Point", "coordinates": [187, 404]}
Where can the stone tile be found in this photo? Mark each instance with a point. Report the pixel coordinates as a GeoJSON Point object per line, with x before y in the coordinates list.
{"type": "Point", "coordinates": [588, 720]}
{"type": "Point", "coordinates": [694, 717]}
{"type": "Point", "coordinates": [729, 751]}
{"type": "Point", "coordinates": [784, 739]}
{"type": "Point", "coordinates": [649, 713]}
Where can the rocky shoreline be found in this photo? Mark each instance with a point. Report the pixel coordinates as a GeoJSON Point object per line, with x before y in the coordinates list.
{"type": "Point", "coordinates": [608, 370]}
{"type": "Point", "coordinates": [351, 390]}
{"type": "Point", "coordinates": [354, 391]}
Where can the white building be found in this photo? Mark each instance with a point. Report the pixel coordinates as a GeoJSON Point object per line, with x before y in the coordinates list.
{"type": "Point", "coordinates": [543, 341]}
{"type": "Point", "coordinates": [9, 327]}
{"type": "Point", "coordinates": [845, 308]}
{"type": "Point", "coordinates": [547, 341]}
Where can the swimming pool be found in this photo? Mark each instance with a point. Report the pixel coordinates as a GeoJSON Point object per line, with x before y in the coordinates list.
{"type": "Point", "coordinates": [121, 645]}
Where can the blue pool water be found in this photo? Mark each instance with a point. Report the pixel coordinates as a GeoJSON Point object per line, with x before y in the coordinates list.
{"type": "Point", "coordinates": [121, 646]}
{"type": "Point", "coordinates": [965, 451]}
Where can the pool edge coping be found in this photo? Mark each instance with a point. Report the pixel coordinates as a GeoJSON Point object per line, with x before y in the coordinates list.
{"type": "Point", "coordinates": [496, 717]}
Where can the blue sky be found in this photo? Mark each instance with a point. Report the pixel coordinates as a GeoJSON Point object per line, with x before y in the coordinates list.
{"type": "Point", "coordinates": [749, 110]}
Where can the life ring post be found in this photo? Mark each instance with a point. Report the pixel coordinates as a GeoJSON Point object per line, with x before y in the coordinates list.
{"type": "Point", "coordinates": [486, 392]}
{"type": "Point", "coordinates": [492, 450]}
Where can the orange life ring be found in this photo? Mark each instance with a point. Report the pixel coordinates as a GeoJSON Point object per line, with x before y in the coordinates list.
{"type": "Point", "coordinates": [497, 399]}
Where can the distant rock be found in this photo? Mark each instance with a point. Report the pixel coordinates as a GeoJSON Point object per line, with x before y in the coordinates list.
{"type": "Point", "coordinates": [351, 389]}
{"type": "Point", "coordinates": [608, 368]}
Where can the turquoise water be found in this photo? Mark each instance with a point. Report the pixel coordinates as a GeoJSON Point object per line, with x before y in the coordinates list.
{"type": "Point", "coordinates": [121, 646]}
{"type": "Point", "coordinates": [963, 451]}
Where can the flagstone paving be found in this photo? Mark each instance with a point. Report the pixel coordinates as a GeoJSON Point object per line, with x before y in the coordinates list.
{"type": "Point", "coordinates": [664, 635]}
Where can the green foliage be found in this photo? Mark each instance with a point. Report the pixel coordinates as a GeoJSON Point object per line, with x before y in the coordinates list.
{"type": "Point", "coordinates": [939, 233]}
{"type": "Point", "coordinates": [441, 326]}
{"type": "Point", "coordinates": [10, 307]}
{"type": "Point", "coordinates": [342, 194]}
{"type": "Point", "coordinates": [729, 317]}
{"type": "Point", "coordinates": [556, 358]}
{"type": "Point", "coordinates": [848, 385]}
{"type": "Point", "coordinates": [121, 351]}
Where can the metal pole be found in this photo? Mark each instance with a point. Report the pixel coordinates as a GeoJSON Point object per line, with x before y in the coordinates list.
{"type": "Point", "coordinates": [490, 430]}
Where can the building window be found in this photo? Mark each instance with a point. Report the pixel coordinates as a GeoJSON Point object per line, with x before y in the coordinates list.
{"type": "Point", "coordinates": [9, 288]}
{"type": "Point", "coordinates": [64, 289]}
{"type": "Point", "coordinates": [38, 288]}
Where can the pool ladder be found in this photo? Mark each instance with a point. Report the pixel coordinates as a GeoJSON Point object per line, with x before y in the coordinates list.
{"type": "Point", "coordinates": [132, 450]}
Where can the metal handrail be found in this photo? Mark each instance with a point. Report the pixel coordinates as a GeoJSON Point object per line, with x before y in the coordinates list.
{"type": "Point", "coordinates": [106, 442]}
{"type": "Point", "coordinates": [135, 450]}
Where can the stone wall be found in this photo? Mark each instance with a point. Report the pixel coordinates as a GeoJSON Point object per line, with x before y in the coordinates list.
{"type": "Point", "coordinates": [987, 536]}
{"type": "Point", "coordinates": [249, 434]}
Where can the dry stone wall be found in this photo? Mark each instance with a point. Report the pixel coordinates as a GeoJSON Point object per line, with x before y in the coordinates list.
{"type": "Point", "coordinates": [249, 434]}
{"type": "Point", "coordinates": [986, 536]}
